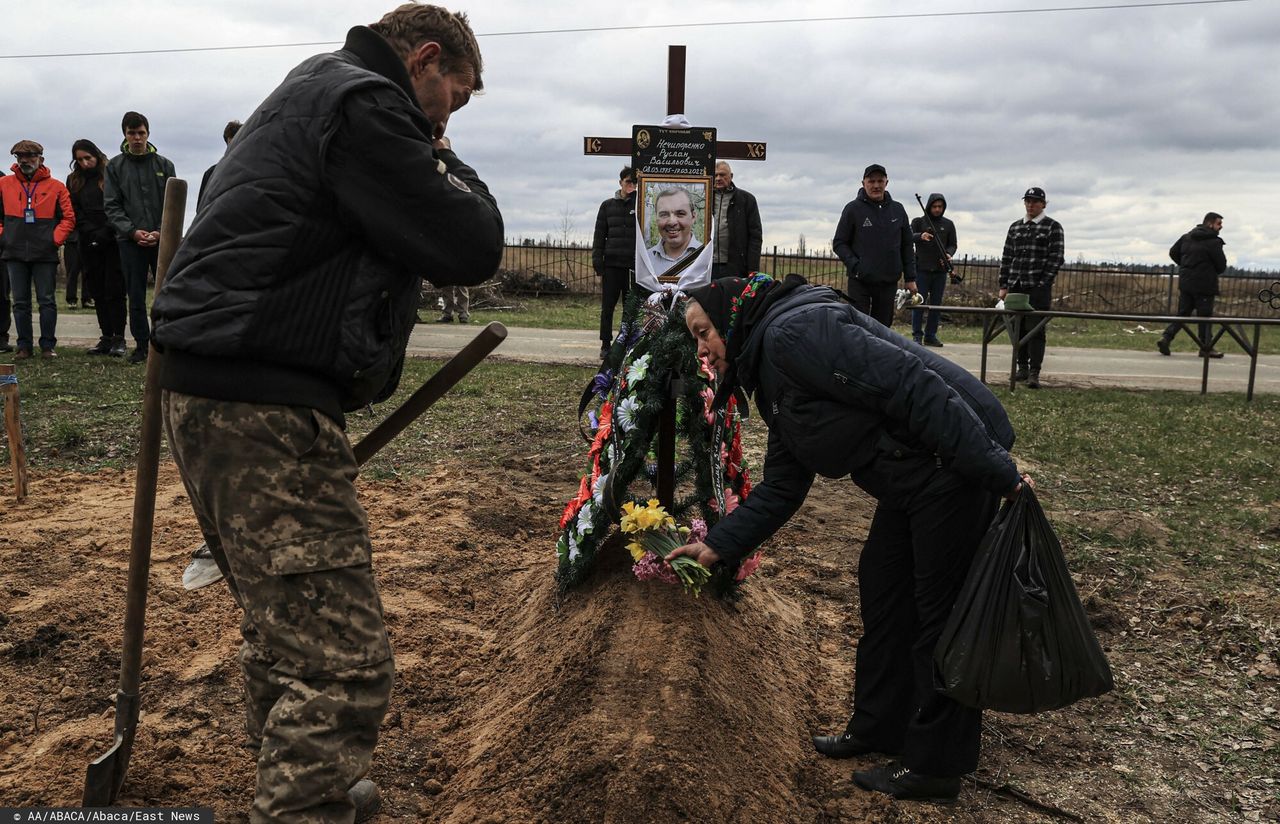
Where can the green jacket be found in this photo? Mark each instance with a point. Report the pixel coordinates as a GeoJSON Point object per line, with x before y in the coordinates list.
{"type": "Point", "coordinates": [135, 190]}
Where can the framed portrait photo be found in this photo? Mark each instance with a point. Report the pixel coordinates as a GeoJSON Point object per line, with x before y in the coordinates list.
{"type": "Point", "coordinates": [672, 216]}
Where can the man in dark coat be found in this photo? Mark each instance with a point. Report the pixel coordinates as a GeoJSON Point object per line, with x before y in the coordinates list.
{"type": "Point", "coordinates": [289, 303]}
{"type": "Point", "coordinates": [874, 240]}
{"type": "Point", "coordinates": [738, 231]}
{"type": "Point", "coordinates": [134, 202]}
{"type": "Point", "coordinates": [1200, 258]}
{"type": "Point", "coordinates": [844, 396]}
{"type": "Point", "coordinates": [931, 265]}
{"type": "Point", "coordinates": [6, 308]}
{"type": "Point", "coordinates": [613, 251]}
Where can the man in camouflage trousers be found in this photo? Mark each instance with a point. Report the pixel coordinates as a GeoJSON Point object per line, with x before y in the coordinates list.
{"type": "Point", "coordinates": [289, 303]}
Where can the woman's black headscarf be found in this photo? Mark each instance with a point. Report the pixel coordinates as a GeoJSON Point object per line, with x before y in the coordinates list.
{"type": "Point", "coordinates": [735, 306]}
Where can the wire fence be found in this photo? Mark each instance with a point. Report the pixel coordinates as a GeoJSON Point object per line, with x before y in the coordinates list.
{"type": "Point", "coordinates": [1142, 289]}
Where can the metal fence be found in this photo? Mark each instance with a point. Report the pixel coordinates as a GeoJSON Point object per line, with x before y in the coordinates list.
{"type": "Point", "coordinates": [1081, 287]}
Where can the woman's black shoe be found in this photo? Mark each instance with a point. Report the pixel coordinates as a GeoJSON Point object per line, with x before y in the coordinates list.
{"type": "Point", "coordinates": [901, 783]}
{"type": "Point", "coordinates": [841, 746]}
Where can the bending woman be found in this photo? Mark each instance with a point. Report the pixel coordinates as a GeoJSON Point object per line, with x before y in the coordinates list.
{"type": "Point", "coordinates": [843, 395]}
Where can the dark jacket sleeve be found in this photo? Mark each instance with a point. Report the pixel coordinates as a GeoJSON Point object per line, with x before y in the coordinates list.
{"type": "Point", "coordinates": [424, 209]}
{"type": "Point", "coordinates": [769, 506]}
{"type": "Point", "coordinates": [1218, 256]}
{"type": "Point", "coordinates": [842, 243]}
{"type": "Point", "coordinates": [755, 235]}
{"type": "Point", "coordinates": [1175, 251]}
{"type": "Point", "coordinates": [116, 214]}
{"type": "Point", "coordinates": [907, 248]}
{"type": "Point", "coordinates": [918, 228]}
{"type": "Point", "coordinates": [1057, 252]}
{"type": "Point", "coordinates": [953, 241]}
{"type": "Point", "coordinates": [598, 242]}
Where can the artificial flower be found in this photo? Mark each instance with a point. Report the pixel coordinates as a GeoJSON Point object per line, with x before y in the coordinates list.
{"type": "Point", "coordinates": [627, 411]}
{"type": "Point", "coordinates": [749, 566]}
{"type": "Point", "coordinates": [638, 369]}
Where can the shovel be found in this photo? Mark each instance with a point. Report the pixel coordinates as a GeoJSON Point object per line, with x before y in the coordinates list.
{"type": "Point", "coordinates": [102, 781]}
{"type": "Point", "coordinates": [106, 775]}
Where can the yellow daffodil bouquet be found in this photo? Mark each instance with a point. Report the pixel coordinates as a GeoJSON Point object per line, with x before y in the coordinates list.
{"type": "Point", "coordinates": [653, 535]}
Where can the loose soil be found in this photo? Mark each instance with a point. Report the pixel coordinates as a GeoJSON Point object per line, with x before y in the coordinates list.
{"type": "Point", "coordinates": [620, 702]}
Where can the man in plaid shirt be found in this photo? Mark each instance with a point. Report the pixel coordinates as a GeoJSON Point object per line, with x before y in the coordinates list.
{"type": "Point", "coordinates": [1033, 253]}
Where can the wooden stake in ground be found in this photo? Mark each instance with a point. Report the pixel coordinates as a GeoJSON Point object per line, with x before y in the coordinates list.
{"type": "Point", "coordinates": [13, 428]}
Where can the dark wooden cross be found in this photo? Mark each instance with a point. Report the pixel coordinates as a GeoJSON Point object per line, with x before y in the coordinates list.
{"type": "Point", "coordinates": [621, 147]}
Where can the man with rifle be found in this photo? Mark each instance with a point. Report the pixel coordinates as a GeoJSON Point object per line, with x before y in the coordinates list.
{"type": "Point", "coordinates": [289, 303]}
{"type": "Point", "coordinates": [935, 238]}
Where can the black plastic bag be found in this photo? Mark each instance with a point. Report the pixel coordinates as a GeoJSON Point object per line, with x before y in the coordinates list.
{"type": "Point", "coordinates": [1018, 639]}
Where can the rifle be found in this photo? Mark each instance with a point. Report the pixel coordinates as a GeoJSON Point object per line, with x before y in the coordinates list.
{"type": "Point", "coordinates": [952, 275]}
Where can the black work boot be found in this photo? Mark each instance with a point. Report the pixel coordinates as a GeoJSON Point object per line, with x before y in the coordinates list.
{"type": "Point", "coordinates": [103, 347]}
{"type": "Point", "coordinates": [1021, 374]}
{"type": "Point", "coordinates": [364, 794]}
{"type": "Point", "coordinates": [1033, 379]}
{"type": "Point", "coordinates": [901, 783]}
{"type": "Point", "coordinates": [1163, 345]}
{"type": "Point", "coordinates": [117, 347]}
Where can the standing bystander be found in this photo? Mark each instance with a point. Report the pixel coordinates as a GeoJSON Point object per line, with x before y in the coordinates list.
{"type": "Point", "coordinates": [931, 265]}
{"type": "Point", "coordinates": [457, 301]}
{"type": "Point", "coordinates": [6, 308]}
{"type": "Point", "coordinates": [134, 204]}
{"type": "Point", "coordinates": [1200, 258]}
{"type": "Point", "coordinates": [613, 251]}
{"type": "Point", "coordinates": [100, 259]}
{"type": "Point", "coordinates": [738, 230]}
{"type": "Point", "coordinates": [228, 132]}
{"type": "Point", "coordinates": [874, 240]}
{"type": "Point", "coordinates": [38, 217]}
{"type": "Point", "coordinates": [1034, 250]}
{"type": "Point", "coordinates": [290, 302]}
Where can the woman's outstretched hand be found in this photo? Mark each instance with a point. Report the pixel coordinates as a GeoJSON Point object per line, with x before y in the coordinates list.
{"type": "Point", "coordinates": [699, 552]}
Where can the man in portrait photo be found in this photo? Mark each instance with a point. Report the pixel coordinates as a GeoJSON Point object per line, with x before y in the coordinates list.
{"type": "Point", "coordinates": [674, 216]}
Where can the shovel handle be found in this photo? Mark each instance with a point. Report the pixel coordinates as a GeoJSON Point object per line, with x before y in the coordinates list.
{"type": "Point", "coordinates": [433, 390]}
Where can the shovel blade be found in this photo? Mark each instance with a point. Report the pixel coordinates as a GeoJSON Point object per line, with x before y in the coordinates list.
{"type": "Point", "coordinates": [105, 776]}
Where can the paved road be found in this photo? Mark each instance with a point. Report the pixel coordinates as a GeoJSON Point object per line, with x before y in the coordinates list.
{"type": "Point", "coordinates": [1062, 366]}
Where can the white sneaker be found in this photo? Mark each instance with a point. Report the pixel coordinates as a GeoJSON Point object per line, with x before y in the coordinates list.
{"type": "Point", "coordinates": [202, 570]}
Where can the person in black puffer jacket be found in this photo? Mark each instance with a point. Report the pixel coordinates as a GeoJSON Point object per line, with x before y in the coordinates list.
{"type": "Point", "coordinates": [613, 251]}
{"type": "Point", "coordinates": [99, 256]}
{"type": "Point", "coordinates": [844, 396]}
{"type": "Point", "coordinates": [873, 239]}
{"type": "Point", "coordinates": [1200, 258]}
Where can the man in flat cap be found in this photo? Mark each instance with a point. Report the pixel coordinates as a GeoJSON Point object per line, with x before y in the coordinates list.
{"type": "Point", "coordinates": [874, 240]}
{"type": "Point", "coordinates": [1033, 253]}
{"type": "Point", "coordinates": [37, 220]}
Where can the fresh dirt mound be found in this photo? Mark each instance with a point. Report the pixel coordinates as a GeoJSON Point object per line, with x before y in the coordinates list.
{"type": "Point", "coordinates": [634, 703]}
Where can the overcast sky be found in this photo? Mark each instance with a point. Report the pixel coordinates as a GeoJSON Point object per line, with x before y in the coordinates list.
{"type": "Point", "coordinates": [1135, 121]}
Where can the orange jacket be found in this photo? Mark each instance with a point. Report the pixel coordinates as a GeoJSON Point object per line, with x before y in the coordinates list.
{"type": "Point", "coordinates": [36, 242]}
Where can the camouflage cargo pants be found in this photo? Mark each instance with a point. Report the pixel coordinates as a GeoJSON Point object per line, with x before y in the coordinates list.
{"type": "Point", "coordinates": [272, 488]}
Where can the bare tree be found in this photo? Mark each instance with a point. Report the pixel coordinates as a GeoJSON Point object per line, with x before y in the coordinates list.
{"type": "Point", "coordinates": [567, 226]}
{"type": "Point", "coordinates": [800, 250]}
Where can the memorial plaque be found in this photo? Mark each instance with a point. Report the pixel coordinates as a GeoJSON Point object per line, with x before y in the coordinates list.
{"type": "Point", "coordinates": [660, 150]}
